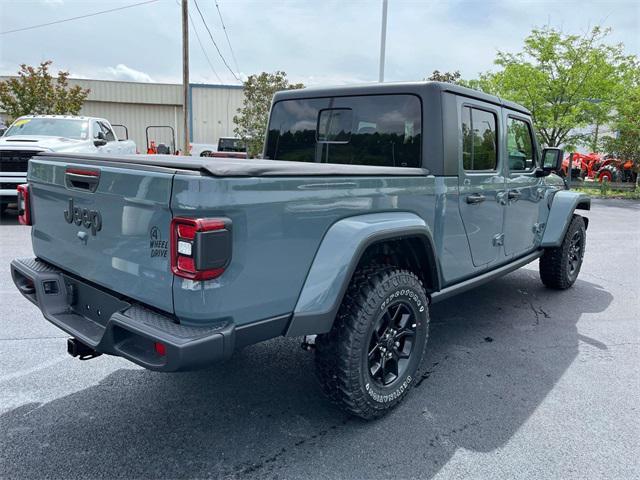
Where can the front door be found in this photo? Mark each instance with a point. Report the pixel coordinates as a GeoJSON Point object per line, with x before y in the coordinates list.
{"type": "Point", "coordinates": [481, 181]}
{"type": "Point", "coordinates": [524, 189]}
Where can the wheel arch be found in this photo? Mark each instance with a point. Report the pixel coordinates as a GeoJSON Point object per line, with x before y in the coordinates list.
{"type": "Point", "coordinates": [561, 210]}
{"type": "Point", "coordinates": [404, 237]}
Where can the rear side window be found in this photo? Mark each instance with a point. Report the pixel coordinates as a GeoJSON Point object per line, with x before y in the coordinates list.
{"type": "Point", "coordinates": [383, 130]}
{"type": "Point", "coordinates": [479, 139]}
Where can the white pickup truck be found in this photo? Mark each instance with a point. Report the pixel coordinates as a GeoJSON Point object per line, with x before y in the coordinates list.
{"type": "Point", "coordinates": [32, 134]}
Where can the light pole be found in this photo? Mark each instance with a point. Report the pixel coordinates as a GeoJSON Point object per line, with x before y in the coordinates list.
{"type": "Point", "coordinates": [383, 40]}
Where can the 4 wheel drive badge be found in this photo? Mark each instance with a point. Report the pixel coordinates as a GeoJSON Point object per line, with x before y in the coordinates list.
{"type": "Point", "coordinates": [83, 216]}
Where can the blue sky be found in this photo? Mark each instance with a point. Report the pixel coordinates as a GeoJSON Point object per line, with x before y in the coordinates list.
{"type": "Point", "coordinates": [315, 42]}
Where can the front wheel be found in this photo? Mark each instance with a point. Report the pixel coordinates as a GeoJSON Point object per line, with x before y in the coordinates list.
{"type": "Point", "coordinates": [560, 266]}
{"type": "Point", "coordinates": [370, 359]}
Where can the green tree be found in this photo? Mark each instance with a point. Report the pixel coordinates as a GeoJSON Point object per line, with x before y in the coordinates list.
{"type": "Point", "coordinates": [252, 118]}
{"type": "Point", "coordinates": [448, 77]}
{"type": "Point", "coordinates": [36, 91]}
{"type": "Point", "coordinates": [568, 82]}
{"type": "Point", "coordinates": [626, 125]}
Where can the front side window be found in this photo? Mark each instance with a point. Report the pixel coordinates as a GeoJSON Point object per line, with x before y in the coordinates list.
{"type": "Point", "coordinates": [382, 130]}
{"type": "Point", "coordinates": [479, 139]}
{"type": "Point", "coordinates": [108, 133]}
{"type": "Point", "coordinates": [96, 130]}
{"type": "Point", "coordinates": [520, 145]}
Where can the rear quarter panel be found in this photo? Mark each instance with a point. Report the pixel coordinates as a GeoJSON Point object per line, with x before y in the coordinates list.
{"type": "Point", "coordinates": [278, 225]}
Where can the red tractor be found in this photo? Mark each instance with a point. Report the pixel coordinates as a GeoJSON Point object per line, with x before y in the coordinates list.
{"type": "Point", "coordinates": [599, 168]}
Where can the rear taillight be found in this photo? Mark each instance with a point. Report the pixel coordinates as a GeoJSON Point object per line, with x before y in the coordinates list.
{"type": "Point", "coordinates": [24, 206]}
{"type": "Point", "coordinates": [200, 247]}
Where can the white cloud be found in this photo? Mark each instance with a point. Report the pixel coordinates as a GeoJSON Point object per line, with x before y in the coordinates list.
{"type": "Point", "coordinates": [122, 72]}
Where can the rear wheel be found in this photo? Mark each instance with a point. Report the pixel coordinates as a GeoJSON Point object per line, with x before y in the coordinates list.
{"type": "Point", "coordinates": [371, 357]}
{"type": "Point", "coordinates": [560, 266]}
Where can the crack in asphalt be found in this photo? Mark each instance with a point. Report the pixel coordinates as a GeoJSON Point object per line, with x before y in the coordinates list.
{"type": "Point", "coordinates": [537, 312]}
{"type": "Point", "coordinates": [270, 461]}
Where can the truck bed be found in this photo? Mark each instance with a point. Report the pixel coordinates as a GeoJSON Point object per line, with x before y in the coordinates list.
{"type": "Point", "coordinates": [239, 167]}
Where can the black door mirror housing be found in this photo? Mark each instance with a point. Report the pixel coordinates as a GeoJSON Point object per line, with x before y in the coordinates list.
{"type": "Point", "coordinates": [551, 160]}
{"type": "Point", "coordinates": [100, 140]}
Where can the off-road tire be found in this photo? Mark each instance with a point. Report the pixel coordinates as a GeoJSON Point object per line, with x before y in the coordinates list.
{"type": "Point", "coordinates": [342, 354]}
{"type": "Point", "coordinates": [556, 269]}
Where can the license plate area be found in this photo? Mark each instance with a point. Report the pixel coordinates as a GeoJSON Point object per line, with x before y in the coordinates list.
{"type": "Point", "coordinates": [90, 302]}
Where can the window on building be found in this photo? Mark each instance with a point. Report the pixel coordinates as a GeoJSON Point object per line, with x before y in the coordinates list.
{"type": "Point", "coordinates": [479, 139]}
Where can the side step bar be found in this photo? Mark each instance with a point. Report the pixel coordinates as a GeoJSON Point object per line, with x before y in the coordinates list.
{"type": "Point", "coordinates": [484, 278]}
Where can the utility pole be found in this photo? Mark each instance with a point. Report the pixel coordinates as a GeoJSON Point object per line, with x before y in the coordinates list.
{"type": "Point", "coordinates": [185, 77]}
{"type": "Point", "coordinates": [383, 40]}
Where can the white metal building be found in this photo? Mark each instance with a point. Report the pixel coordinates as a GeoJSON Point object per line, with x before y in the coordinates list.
{"type": "Point", "coordinates": [138, 105]}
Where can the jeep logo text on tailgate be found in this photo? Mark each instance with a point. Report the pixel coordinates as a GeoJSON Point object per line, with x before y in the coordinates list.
{"type": "Point", "coordinates": [83, 216]}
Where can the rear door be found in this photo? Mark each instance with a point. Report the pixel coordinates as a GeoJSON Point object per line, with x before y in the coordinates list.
{"type": "Point", "coordinates": [481, 180]}
{"type": "Point", "coordinates": [106, 224]}
{"type": "Point", "coordinates": [524, 189]}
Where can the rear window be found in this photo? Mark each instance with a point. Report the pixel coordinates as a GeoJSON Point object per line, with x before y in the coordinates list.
{"type": "Point", "coordinates": [382, 130]}
{"type": "Point", "coordinates": [231, 145]}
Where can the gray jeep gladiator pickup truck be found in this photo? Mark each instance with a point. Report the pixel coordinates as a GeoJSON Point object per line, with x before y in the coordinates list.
{"type": "Point", "coordinates": [371, 202]}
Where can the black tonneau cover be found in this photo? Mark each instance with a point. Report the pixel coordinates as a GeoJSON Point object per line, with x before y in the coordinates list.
{"type": "Point", "coordinates": [241, 167]}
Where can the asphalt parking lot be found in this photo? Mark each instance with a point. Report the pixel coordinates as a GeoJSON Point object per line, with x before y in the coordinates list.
{"type": "Point", "coordinates": [522, 382]}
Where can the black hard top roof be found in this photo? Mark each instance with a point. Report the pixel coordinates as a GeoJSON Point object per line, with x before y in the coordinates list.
{"type": "Point", "coordinates": [396, 87]}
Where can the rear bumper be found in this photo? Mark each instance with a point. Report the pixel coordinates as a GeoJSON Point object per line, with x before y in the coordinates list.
{"type": "Point", "coordinates": [114, 326]}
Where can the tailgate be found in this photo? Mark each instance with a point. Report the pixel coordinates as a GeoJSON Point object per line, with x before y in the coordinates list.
{"type": "Point", "coordinates": [106, 224]}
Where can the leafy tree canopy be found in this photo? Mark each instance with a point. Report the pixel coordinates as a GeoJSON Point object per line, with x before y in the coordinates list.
{"type": "Point", "coordinates": [626, 124]}
{"type": "Point", "coordinates": [567, 81]}
{"type": "Point", "coordinates": [448, 77]}
{"type": "Point", "coordinates": [35, 91]}
{"type": "Point", "coordinates": [252, 118]}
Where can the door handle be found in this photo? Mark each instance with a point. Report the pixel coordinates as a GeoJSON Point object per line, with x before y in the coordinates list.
{"type": "Point", "coordinates": [475, 198]}
{"type": "Point", "coordinates": [514, 195]}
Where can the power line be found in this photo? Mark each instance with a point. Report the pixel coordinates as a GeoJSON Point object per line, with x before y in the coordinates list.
{"type": "Point", "coordinates": [224, 28]}
{"type": "Point", "coordinates": [77, 18]}
{"type": "Point", "coordinates": [214, 43]}
{"type": "Point", "coordinates": [203, 50]}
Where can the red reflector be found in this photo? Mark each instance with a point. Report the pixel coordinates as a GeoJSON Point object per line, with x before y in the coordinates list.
{"type": "Point", "coordinates": [160, 349]}
{"type": "Point", "coordinates": [186, 264]}
{"type": "Point", "coordinates": [187, 231]}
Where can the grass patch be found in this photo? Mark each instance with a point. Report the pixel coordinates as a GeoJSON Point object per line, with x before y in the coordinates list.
{"type": "Point", "coordinates": [606, 192]}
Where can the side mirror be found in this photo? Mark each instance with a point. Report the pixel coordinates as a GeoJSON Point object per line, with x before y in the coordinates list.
{"type": "Point", "coordinates": [100, 140]}
{"type": "Point", "coordinates": [551, 161]}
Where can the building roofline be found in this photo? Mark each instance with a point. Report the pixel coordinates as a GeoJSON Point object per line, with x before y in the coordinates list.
{"type": "Point", "coordinates": [160, 84]}
{"type": "Point", "coordinates": [131, 82]}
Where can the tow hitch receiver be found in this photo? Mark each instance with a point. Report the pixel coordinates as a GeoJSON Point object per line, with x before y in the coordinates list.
{"type": "Point", "coordinates": [76, 348]}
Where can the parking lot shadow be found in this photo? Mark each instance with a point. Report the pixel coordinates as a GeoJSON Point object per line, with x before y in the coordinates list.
{"type": "Point", "coordinates": [8, 216]}
{"type": "Point", "coordinates": [495, 354]}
